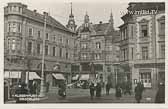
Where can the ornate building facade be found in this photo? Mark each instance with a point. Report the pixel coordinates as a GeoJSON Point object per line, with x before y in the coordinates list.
{"type": "Point", "coordinates": [97, 49]}
{"type": "Point", "coordinates": [142, 44]}
{"type": "Point", "coordinates": [23, 42]}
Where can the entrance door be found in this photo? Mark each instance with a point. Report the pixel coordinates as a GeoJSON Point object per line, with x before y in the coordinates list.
{"type": "Point", "coordinates": [162, 77]}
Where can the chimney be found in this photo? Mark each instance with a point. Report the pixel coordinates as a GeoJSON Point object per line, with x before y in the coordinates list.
{"type": "Point", "coordinates": [45, 13]}
{"type": "Point", "coordinates": [35, 10]}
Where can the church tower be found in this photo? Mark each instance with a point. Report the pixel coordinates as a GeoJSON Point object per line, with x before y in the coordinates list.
{"type": "Point", "coordinates": [71, 22]}
{"type": "Point", "coordinates": [111, 21]}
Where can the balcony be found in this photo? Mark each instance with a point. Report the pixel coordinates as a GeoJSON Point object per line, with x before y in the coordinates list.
{"type": "Point", "coordinates": [144, 39]}
{"type": "Point", "coordinates": [17, 34]}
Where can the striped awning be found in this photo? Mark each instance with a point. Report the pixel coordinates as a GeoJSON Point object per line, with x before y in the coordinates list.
{"type": "Point", "coordinates": [12, 74]}
{"type": "Point", "coordinates": [58, 76]}
{"type": "Point", "coordinates": [32, 75]}
{"type": "Point", "coordinates": [84, 77]}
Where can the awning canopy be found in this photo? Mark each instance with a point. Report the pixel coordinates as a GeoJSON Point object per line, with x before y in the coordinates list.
{"type": "Point", "coordinates": [59, 76]}
{"type": "Point", "coordinates": [75, 77]}
{"type": "Point", "coordinates": [32, 75]}
{"type": "Point", "coordinates": [12, 74]}
{"type": "Point", "coordinates": [84, 77]}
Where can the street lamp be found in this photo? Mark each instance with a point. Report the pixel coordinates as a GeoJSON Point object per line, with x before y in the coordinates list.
{"type": "Point", "coordinates": [42, 90]}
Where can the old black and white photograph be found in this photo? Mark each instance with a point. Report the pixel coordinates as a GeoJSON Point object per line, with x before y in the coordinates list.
{"type": "Point", "coordinates": [83, 52]}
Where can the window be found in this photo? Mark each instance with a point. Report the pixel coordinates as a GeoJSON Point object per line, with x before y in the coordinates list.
{"type": "Point", "coordinates": [60, 52]}
{"type": "Point", "coordinates": [84, 56]}
{"type": "Point", "coordinates": [53, 51]}
{"type": "Point", "coordinates": [67, 41]}
{"type": "Point", "coordinates": [98, 45]}
{"type": "Point", "coordinates": [30, 31]}
{"type": "Point", "coordinates": [54, 38]}
{"type": "Point", "coordinates": [29, 47]}
{"type": "Point", "coordinates": [125, 33]}
{"type": "Point", "coordinates": [38, 49]}
{"type": "Point", "coordinates": [46, 49]}
{"type": "Point", "coordinates": [132, 53]}
{"type": "Point", "coordinates": [97, 56]}
{"type": "Point", "coordinates": [125, 54]}
{"type": "Point", "coordinates": [145, 77]}
{"type": "Point", "coordinates": [84, 45]}
{"type": "Point", "coordinates": [144, 30]}
{"type": "Point", "coordinates": [13, 44]}
{"type": "Point", "coordinates": [61, 39]}
{"type": "Point", "coordinates": [132, 31]}
{"type": "Point", "coordinates": [162, 28]}
{"type": "Point", "coordinates": [144, 53]}
{"type": "Point", "coordinates": [39, 34]}
{"type": "Point", "coordinates": [66, 55]}
{"type": "Point", "coordinates": [162, 51]}
{"type": "Point", "coordinates": [14, 27]}
{"type": "Point", "coordinates": [84, 36]}
{"type": "Point", "coordinates": [47, 36]}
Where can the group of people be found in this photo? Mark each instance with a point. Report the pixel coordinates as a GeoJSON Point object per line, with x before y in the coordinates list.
{"type": "Point", "coordinates": [95, 87]}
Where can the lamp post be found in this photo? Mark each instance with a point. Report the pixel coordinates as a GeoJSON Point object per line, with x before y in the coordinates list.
{"type": "Point", "coordinates": [42, 90]}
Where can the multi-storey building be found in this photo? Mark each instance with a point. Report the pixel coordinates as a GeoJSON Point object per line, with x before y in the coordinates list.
{"type": "Point", "coordinates": [97, 49]}
{"type": "Point", "coordinates": [23, 37]}
{"type": "Point", "coordinates": [142, 43]}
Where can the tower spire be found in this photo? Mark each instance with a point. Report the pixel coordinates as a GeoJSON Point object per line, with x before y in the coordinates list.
{"type": "Point", "coordinates": [71, 22]}
{"type": "Point", "coordinates": [71, 8]}
{"type": "Point", "coordinates": [86, 19]}
{"type": "Point", "coordinates": [111, 21]}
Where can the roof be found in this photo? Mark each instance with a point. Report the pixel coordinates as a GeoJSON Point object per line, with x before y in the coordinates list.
{"type": "Point", "coordinates": [39, 17]}
{"type": "Point", "coordinates": [101, 27]}
{"type": "Point", "coordinates": [138, 6]}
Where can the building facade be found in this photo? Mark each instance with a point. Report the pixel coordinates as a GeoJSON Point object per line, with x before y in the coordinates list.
{"type": "Point", "coordinates": [97, 49]}
{"type": "Point", "coordinates": [142, 44]}
{"type": "Point", "coordinates": [23, 42]}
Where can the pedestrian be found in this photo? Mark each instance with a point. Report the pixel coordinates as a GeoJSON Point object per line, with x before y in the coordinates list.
{"type": "Point", "coordinates": [138, 92]}
{"type": "Point", "coordinates": [118, 91]}
{"type": "Point", "coordinates": [92, 90]}
{"type": "Point", "coordinates": [62, 89]}
{"type": "Point", "coordinates": [107, 88]}
{"type": "Point", "coordinates": [47, 86]}
{"type": "Point", "coordinates": [160, 95]}
{"type": "Point", "coordinates": [21, 91]}
{"type": "Point", "coordinates": [98, 90]}
{"type": "Point", "coordinates": [128, 88]}
{"type": "Point", "coordinates": [34, 87]}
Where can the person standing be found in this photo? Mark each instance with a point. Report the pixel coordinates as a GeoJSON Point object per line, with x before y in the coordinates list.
{"type": "Point", "coordinates": [138, 92]}
{"type": "Point", "coordinates": [160, 95]}
{"type": "Point", "coordinates": [107, 88]}
{"type": "Point", "coordinates": [98, 90]}
{"type": "Point", "coordinates": [118, 91]}
{"type": "Point", "coordinates": [92, 89]}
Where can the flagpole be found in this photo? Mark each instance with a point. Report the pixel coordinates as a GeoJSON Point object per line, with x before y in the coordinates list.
{"type": "Point", "coordinates": [42, 90]}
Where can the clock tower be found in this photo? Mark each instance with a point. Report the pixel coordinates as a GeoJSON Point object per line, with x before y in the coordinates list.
{"type": "Point", "coordinates": [71, 22]}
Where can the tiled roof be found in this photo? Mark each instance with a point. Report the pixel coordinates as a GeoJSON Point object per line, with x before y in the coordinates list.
{"type": "Point", "coordinates": [147, 5]}
{"type": "Point", "coordinates": [100, 27]}
{"type": "Point", "coordinates": [40, 18]}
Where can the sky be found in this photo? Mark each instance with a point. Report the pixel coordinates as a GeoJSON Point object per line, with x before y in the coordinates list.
{"type": "Point", "coordinates": [60, 9]}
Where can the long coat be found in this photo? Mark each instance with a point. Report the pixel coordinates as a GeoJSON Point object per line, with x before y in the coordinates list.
{"type": "Point", "coordinates": [92, 89]}
{"type": "Point", "coordinates": [138, 92]}
{"type": "Point", "coordinates": [98, 90]}
{"type": "Point", "coordinates": [160, 96]}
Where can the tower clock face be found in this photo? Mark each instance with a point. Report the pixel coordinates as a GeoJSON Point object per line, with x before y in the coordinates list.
{"type": "Point", "coordinates": [71, 22]}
